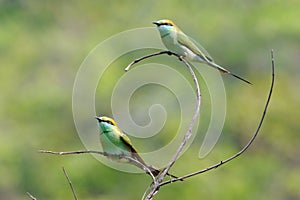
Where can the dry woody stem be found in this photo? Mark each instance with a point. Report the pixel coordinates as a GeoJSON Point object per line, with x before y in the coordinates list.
{"type": "Point", "coordinates": [157, 182]}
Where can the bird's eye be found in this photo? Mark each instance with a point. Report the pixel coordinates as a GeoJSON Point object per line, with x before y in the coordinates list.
{"type": "Point", "coordinates": [166, 24]}
{"type": "Point", "coordinates": [108, 121]}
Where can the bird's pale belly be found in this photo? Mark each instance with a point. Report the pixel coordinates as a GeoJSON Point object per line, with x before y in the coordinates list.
{"type": "Point", "coordinates": [181, 50]}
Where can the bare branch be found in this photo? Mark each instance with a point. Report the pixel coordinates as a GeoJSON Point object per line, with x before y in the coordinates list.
{"type": "Point", "coordinates": [70, 183]}
{"type": "Point", "coordinates": [73, 152]}
{"type": "Point", "coordinates": [116, 156]}
{"type": "Point", "coordinates": [189, 130]}
{"type": "Point", "coordinates": [157, 183]}
{"type": "Point", "coordinates": [148, 56]}
{"type": "Point", "coordinates": [31, 197]}
{"type": "Point", "coordinates": [188, 133]}
{"type": "Point", "coordinates": [250, 141]}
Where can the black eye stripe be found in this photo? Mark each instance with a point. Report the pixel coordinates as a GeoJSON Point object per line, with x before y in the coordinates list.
{"type": "Point", "coordinates": [166, 23]}
{"type": "Point", "coordinates": [107, 121]}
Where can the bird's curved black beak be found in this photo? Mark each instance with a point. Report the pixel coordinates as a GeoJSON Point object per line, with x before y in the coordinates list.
{"type": "Point", "coordinates": [156, 23]}
{"type": "Point", "coordinates": [97, 118]}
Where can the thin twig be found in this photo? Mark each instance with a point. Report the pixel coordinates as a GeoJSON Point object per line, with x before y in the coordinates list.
{"type": "Point", "coordinates": [247, 145]}
{"type": "Point", "coordinates": [189, 130]}
{"type": "Point", "coordinates": [188, 133]}
{"type": "Point", "coordinates": [31, 197]}
{"type": "Point", "coordinates": [70, 183]}
{"type": "Point", "coordinates": [117, 156]}
{"type": "Point", "coordinates": [74, 152]}
{"type": "Point", "coordinates": [148, 56]}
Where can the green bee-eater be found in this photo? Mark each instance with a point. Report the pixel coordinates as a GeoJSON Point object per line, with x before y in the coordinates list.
{"type": "Point", "coordinates": [115, 142]}
{"type": "Point", "coordinates": [178, 42]}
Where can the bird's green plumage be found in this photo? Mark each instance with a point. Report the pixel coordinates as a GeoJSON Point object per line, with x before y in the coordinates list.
{"type": "Point", "coordinates": [178, 42]}
{"type": "Point", "coordinates": [115, 142]}
{"type": "Point", "coordinates": [184, 40]}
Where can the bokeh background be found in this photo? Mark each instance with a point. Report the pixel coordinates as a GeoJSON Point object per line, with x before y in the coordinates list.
{"type": "Point", "coordinates": [43, 43]}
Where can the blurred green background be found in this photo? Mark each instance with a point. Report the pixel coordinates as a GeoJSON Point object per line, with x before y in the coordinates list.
{"type": "Point", "coordinates": [43, 43]}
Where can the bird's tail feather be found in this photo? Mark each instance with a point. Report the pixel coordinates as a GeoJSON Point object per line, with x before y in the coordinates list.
{"type": "Point", "coordinates": [225, 71]}
{"type": "Point", "coordinates": [218, 67]}
{"type": "Point", "coordinates": [156, 172]}
{"type": "Point", "coordinates": [141, 164]}
{"type": "Point", "coordinates": [242, 79]}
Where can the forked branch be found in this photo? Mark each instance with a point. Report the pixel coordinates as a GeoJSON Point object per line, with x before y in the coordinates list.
{"type": "Point", "coordinates": [250, 141]}
{"type": "Point", "coordinates": [117, 156]}
{"type": "Point", "coordinates": [188, 133]}
{"type": "Point", "coordinates": [243, 149]}
{"type": "Point", "coordinates": [156, 187]}
{"type": "Point", "coordinates": [158, 182]}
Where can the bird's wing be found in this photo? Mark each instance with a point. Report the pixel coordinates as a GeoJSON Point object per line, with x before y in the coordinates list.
{"type": "Point", "coordinates": [135, 155]}
{"type": "Point", "coordinates": [134, 152]}
{"type": "Point", "coordinates": [186, 41]}
{"type": "Point", "coordinates": [127, 141]}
